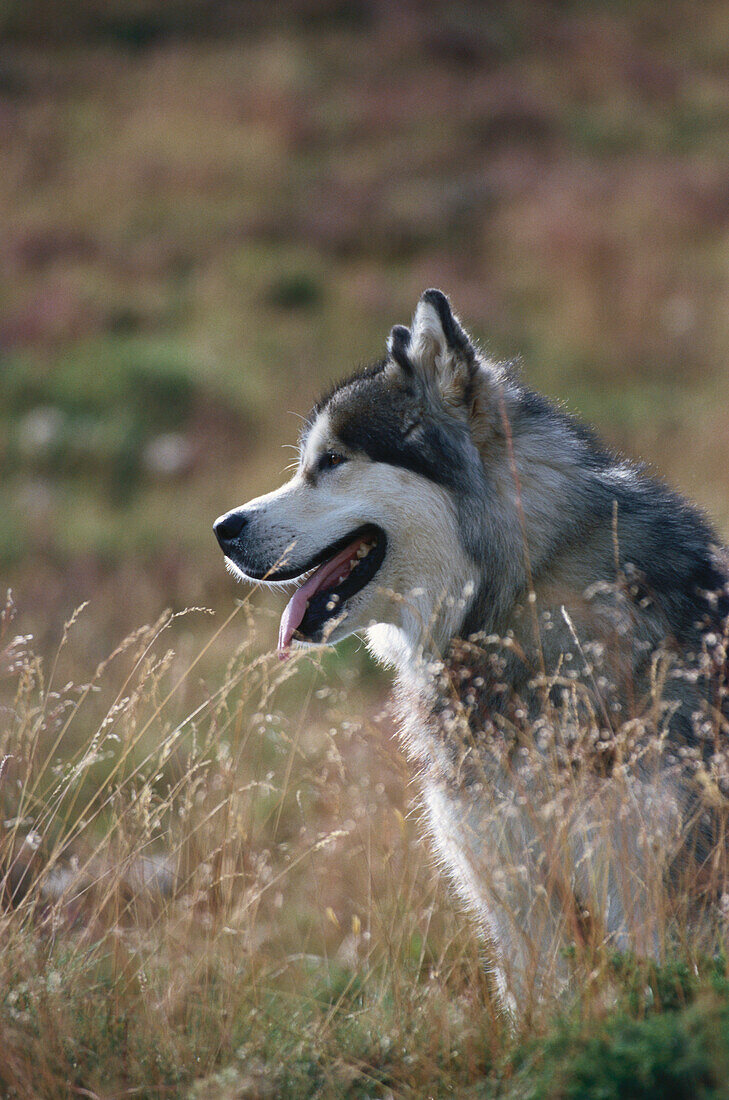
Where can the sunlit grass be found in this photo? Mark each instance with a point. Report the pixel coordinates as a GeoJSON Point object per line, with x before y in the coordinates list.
{"type": "Point", "coordinates": [181, 894]}
{"type": "Point", "coordinates": [232, 898]}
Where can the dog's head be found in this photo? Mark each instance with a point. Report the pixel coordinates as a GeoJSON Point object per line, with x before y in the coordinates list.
{"type": "Point", "coordinates": [377, 525]}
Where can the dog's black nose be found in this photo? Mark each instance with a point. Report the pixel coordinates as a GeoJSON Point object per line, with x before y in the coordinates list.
{"type": "Point", "coordinates": [229, 527]}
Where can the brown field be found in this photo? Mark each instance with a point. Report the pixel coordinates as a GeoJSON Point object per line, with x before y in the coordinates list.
{"type": "Point", "coordinates": [213, 879]}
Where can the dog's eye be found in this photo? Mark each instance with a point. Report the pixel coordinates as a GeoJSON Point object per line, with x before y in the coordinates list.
{"type": "Point", "coordinates": [330, 459]}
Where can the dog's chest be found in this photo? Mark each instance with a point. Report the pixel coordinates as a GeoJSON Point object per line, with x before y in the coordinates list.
{"type": "Point", "coordinates": [477, 810]}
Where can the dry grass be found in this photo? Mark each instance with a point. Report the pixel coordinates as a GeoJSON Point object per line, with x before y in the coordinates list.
{"type": "Point", "coordinates": [221, 901]}
{"type": "Point", "coordinates": [229, 889]}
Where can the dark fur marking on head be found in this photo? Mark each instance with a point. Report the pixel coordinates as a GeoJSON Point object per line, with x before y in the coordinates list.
{"type": "Point", "coordinates": [362, 374]}
{"type": "Point", "coordinates": [372, 416]}
{"type": "Point", "coordinates": [383, 437]}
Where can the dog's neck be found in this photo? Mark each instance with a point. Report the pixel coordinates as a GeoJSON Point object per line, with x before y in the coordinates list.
{"type": "Point", "coordinates": [417, 645]}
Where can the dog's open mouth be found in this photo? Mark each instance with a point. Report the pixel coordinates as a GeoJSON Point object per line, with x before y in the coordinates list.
{"type": "Point", "coordinates": [320, 602]}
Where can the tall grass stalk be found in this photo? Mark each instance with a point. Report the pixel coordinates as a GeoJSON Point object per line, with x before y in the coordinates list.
{"type": "Point", "coordinates": [223, 891]}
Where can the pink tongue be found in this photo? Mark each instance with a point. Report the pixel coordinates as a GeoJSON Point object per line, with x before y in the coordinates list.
{"type": "Point", "coordinates": [296, 607]}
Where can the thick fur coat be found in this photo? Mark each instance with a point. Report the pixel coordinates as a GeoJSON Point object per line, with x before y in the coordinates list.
{"type": "Point", "coordinates": [556, 620]}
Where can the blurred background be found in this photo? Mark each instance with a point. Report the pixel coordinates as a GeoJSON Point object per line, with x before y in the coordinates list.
{"type": "Point", "coordinates": [211, 209]}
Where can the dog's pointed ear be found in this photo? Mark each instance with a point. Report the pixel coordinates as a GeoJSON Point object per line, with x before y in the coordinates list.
{"type": "Point", "coordinates": [398, 345]}
{"type": "Point", "coordinates": [441, 351]}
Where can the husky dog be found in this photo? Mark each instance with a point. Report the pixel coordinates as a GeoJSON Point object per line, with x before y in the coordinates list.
{"type": "Point", "coordinates": [557, 623]}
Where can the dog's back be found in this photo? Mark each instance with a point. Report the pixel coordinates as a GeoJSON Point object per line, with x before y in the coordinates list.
{"type": "Point", "coordinates": [572, 739]}
{"type": "Point", "coordinates": [572, 753]}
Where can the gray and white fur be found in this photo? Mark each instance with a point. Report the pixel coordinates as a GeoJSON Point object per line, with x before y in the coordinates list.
{"type": "Point", "coordinates": [556, 620]}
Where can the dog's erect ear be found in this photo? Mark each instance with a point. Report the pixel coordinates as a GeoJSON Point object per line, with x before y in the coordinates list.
{"type": "Point", "coordinates": [398, 345]}
{"type": "Point", "coordinates": [441, 351]}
